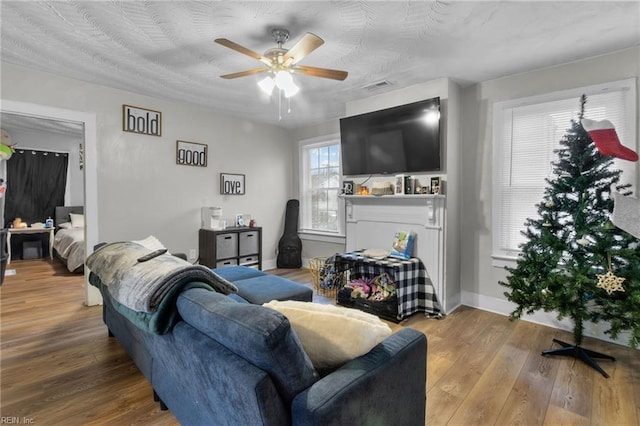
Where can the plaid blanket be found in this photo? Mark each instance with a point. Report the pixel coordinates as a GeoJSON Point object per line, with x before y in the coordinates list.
{"type": "Point", "coordinates": [413, 284]}
{"type": "Point", "coordinates": [142, 285]}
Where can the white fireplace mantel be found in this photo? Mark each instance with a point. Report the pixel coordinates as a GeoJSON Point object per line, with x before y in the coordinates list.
{"type": "Point", "coordinates": [372, 222]}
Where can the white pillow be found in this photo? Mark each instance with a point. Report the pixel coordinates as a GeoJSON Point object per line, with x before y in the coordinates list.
{"type": "Point", "coordinates": [77, 220]}
{"type": "Point", "coordinates": [66, 225]}
{"type": "Point", "coordinates": [332, 335]}
{"type": "Point", "coordinates": [151, 242]}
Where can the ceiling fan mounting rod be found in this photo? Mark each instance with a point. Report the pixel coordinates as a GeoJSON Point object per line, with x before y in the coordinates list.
{"type": "Point", "coordinates": [281, 35]}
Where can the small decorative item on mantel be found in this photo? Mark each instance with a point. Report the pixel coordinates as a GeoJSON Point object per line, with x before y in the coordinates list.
{"type": "Point", "coordinates": [347, 187]}
{"type": "Point", "coordinates": [436, 185]}
{"type": "Point", "coordinates": [381, 188]}
{"type": "Point", "coordinates": [399, 186]}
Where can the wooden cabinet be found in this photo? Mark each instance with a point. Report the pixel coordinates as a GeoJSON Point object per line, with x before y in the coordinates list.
{"type": "Point", "coordinates": [231, 246]}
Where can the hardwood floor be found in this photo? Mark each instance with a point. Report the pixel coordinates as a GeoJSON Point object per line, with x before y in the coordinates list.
{"type": "Point", "coordinates": [59, 367]}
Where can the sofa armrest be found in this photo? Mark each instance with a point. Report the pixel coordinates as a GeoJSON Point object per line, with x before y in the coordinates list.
{"type": "Point", "coordinates": [385, 386]}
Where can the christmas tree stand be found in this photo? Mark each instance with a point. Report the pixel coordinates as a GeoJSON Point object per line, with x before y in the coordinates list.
{"type": "Point", "coordinates": [581, 353]}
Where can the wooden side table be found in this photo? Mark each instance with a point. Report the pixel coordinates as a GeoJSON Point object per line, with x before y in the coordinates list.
{"type": "Point", "coordinates": [29, 231]}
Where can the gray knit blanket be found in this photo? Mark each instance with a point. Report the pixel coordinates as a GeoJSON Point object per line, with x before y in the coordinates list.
{"type": "Point", "coordinates": [142, 285]}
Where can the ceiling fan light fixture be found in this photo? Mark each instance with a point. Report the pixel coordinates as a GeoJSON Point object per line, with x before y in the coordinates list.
{"type": "Point", "coordinates": [284, 81]}
{"type": "Point", "coordinates": [292, 90]}
{"type": "Point", "coordinates": [267, 84]}
{"type": "Point", "coordinates": [280, 63]}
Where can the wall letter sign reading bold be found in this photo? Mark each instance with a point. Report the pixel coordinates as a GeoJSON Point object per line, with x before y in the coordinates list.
{"type": "Point", "coordinates": [191, 153]}
{"type": "Point", "coordinates": [231, 184]}
{"type": "Point", "coordinates": [140, 120]}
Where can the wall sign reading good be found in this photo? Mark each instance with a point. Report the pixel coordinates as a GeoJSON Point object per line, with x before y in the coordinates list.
{"type": "Point", "coordinates": [191, 153]}
{"type": "Point", "coordinates": [140, 120]}
{"type": "Point", "coordinates": [231, 184]}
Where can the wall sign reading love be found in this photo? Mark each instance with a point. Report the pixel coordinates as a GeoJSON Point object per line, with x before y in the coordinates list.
{"type": "Point", "coordinates": [191, 154]}
{"type": "Point", "coordinates": [231, 184]}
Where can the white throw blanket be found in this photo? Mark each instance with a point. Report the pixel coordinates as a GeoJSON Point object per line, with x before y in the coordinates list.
{"type": "Point", "coordinates": [141, 286]}
{"type": "Point", "coordinates": [69, 243]}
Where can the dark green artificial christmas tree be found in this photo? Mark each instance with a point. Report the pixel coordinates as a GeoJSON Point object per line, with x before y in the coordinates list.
{"type": "Point", "coordinates": [575, 261]}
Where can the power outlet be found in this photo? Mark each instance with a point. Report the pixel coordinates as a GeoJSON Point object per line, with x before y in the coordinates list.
{"type": "Point", "coordinates": [192, 253]}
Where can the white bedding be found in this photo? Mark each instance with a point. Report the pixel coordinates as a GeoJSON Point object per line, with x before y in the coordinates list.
{"type": "Point", "coordinates": [69, 243]}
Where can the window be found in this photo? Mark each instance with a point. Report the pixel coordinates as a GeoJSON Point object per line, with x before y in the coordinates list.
{"type": "Point", "coordinates": [320, 207]}
{"type": "Point", "coordinates": [526, 132]}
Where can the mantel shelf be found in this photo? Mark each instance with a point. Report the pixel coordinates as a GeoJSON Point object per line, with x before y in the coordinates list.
{"type": "Point", "coordinates": [391, 197]}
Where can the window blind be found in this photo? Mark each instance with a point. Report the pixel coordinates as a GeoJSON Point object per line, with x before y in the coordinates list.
{"type": "Point", "coordinates": [527, 137]}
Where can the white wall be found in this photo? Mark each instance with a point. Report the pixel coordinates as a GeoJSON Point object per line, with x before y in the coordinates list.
{"type": "Point", "coordinates": [141, 189]}
{"type": "Point", "coordinates": [449, 93]}
{"type": "Point", "coordinates": [29, 138]}
{"type": "Point", "coordinates": [312, 247]}
{"type": "Point", "coordinates": [479, 278]}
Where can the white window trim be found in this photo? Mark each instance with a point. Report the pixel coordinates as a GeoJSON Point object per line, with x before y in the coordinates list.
{"type": "Point", "coordinates": [502, 259]}
{"type": "Point", "coordinates": [312, 234]}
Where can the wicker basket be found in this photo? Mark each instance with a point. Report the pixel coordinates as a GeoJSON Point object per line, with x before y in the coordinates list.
{"type": "Point", "coordinates": [318, 273]}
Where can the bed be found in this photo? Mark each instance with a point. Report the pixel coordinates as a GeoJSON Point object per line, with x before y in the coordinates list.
{"type": "Point", "coordinates": [68, 243]}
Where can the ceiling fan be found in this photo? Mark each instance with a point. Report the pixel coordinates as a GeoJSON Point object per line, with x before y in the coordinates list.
{"type": "Point", "coordinates": [281, 59]}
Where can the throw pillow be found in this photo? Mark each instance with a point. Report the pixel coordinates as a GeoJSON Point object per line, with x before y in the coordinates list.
{"type": "Point", "coordinates": [66, 225]}
{"type": "Point", "coordinates": [332, 335]}
{"type": "Point", "coordinates": [151, 243]}
{"type": "Point", "coordinates": [77, 220]}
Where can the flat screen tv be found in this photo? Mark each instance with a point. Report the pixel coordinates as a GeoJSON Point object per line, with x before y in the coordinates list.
{"type": "Point", "coordinates": [402, 139]}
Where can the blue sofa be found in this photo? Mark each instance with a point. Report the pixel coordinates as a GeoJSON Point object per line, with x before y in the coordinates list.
{"type": "Point", "coordinates": [228, 361]}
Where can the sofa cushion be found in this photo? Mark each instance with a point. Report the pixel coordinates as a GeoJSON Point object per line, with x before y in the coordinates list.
{"type": "Point", "coordinates": [263, 289]}
{"type": "Point", "coordinates": [235, 273]}
{"type": "Point", "coordinates": [262, 336]}
{"type": "Point", "coordinates": [332, 335]}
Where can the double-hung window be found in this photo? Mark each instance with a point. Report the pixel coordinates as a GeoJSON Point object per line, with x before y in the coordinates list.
{"type": "Point", "coordinates": [526, 133]}
{"type": "Point", "coordinates": [321, 210]}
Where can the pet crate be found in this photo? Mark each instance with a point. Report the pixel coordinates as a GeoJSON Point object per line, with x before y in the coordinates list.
{"type": "Point", "coordinates": [351, 294]}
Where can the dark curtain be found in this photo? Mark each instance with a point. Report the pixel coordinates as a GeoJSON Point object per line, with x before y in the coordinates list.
{"type": "Point", "coordinates": [36, 182]}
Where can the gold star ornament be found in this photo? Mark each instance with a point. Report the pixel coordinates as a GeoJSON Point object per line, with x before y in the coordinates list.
{"type": "Point", "coordinates": [610, 282]}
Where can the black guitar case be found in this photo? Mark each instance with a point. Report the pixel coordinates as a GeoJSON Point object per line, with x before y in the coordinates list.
{"type": "Point", "coordinates": [290, 245]}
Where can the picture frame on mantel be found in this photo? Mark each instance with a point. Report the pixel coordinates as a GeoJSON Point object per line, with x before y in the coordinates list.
{"type": "Point", "coordinates": [191, 154]}
{"type": "Point", "coordinates": [232, 184]}
{"type": "Point", "coordinates": [436, 186]}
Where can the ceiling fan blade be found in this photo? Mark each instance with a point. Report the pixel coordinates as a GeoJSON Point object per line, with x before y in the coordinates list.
{"type": "Point", "coordinates": [307, 44]}
{"type": "Point", "coordinates": [235, 46]}
{"type": "Point", "coordinates": [322, 72]}
{"type": "Point", "coordinates": [244, 73]}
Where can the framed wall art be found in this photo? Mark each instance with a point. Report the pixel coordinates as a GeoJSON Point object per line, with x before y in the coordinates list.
{"type": "Point", "coordinates": [191, 153]}
{"type": "Point", "coordinates": [141, 120]}
{"type": "Point", "coordinates": [231, 184]}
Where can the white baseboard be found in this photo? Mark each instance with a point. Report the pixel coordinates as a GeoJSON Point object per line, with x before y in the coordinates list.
{"type": "Point", "coordinates": [504, 307]}
{"type": "Point", "coordinates": [268, 264]}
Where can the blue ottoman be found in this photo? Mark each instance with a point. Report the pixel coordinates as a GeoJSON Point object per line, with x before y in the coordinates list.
{"type": "Point", "coordinates": [237, 273]}
{"type": "Point", "coordinates": [258, 287]}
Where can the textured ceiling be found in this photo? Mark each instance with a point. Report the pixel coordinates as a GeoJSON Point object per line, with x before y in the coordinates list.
{"type": "Point", "coordinates": [165, 49]}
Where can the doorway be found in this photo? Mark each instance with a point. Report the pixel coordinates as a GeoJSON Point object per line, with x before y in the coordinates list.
{"type": "Point", "coordinates": [88, 124]}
